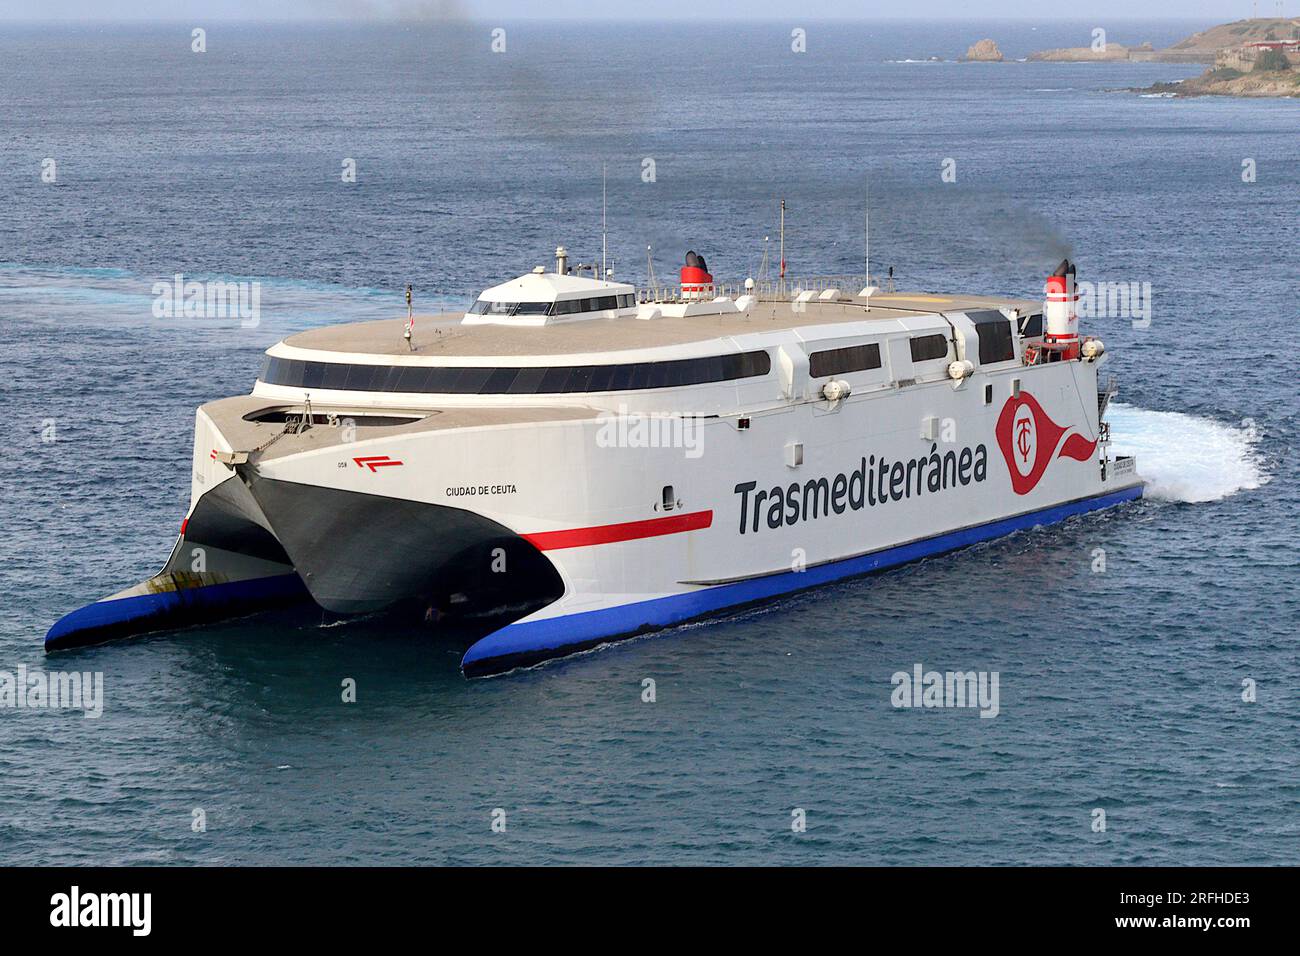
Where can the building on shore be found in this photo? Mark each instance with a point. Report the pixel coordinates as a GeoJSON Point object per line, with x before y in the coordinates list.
{"type": "Point", "coordinates": [1243, 57]}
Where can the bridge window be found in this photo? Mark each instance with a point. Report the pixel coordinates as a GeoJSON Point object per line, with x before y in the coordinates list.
{"type": "Point", "coordinates": [484, 307]}
{"type": "Point", "coordinates": [597, 303]}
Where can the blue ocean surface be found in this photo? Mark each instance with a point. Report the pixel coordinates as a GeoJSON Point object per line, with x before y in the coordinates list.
{"type": "Point", "coordinates": [1121, 689]}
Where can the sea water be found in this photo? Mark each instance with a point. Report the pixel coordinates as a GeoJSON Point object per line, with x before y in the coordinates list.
{"type": "Point", "coordinates": [1146, 657]}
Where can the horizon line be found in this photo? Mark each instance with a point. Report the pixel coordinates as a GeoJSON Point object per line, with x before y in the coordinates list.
{"type": "Point", "coordinates": [619, 19]}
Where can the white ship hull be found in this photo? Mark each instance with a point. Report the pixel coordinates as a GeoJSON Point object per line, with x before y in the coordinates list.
{"type": "Point", "coordinates": [594, 510]}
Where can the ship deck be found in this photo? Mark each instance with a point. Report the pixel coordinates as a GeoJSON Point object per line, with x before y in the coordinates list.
{"type": "Point", "coordinates": [229, 415]}
{"type": "Point", "coordinates": [442, 335]}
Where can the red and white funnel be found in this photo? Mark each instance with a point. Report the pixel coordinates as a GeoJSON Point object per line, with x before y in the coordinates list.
{"type": "Point", "coordinates": [697, 283]}
{"type": "Point", "coordinates": [1060, 313]}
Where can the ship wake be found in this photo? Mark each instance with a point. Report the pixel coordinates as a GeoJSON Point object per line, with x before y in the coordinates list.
{"type": "Point", "coordinates": [1186, 457]}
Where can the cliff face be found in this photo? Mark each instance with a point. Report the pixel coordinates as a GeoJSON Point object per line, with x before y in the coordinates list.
{"type": "Point", "coordinates": [985, 51]}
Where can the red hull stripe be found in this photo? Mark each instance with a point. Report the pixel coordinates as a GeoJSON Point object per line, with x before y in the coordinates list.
{"type": "Point", "coordinates": [628, 531]}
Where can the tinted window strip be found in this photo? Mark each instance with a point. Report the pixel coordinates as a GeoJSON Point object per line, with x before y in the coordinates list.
{"type": "Point", "coordinates": [927, 347]}
{"type": "Point", "coordinates": [602, 303]}
{"type": "Point", "coordinates": [474, 380]}
{"type": "Point", "coordinates": [995, 341]}
{"type": "Point", "coordinates": [853, 358]}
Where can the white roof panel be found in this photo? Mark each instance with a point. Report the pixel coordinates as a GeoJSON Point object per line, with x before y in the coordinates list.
{"type": "Point", "coordinates": [551, 287]}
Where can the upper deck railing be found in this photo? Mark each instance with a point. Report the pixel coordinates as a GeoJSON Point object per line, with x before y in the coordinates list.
{"type": "Point", "coordinates": [765, 289]}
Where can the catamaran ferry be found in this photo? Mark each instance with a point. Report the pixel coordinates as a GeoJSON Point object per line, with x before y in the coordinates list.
{"type": "Point", "coordinates": [574, 460]}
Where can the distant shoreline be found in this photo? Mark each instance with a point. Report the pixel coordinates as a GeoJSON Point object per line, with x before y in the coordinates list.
{"type": "Point", "coordinates": [1255, 58]}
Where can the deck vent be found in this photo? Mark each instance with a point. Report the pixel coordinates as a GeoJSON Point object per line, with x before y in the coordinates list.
{"type": "Point", "coordinates": [794, 454]}
{"type": "Point", "coordinates": [669, 498]}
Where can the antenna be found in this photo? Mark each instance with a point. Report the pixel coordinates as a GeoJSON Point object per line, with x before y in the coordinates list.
{"type": "Point", "coordinates": [410, 321]}
{"type": "Point", "coordinates": [650, 269]}
{"type": "Point", "coordinates": [866, 230]}
{"type": "Point", "coordinates": [603, 171]}
{"type": "Point", "coordinates": [783, 243]}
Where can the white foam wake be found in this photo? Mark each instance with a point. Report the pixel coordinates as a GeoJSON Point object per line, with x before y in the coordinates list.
{"type": "Point", "coordinates": [1187, 458]}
